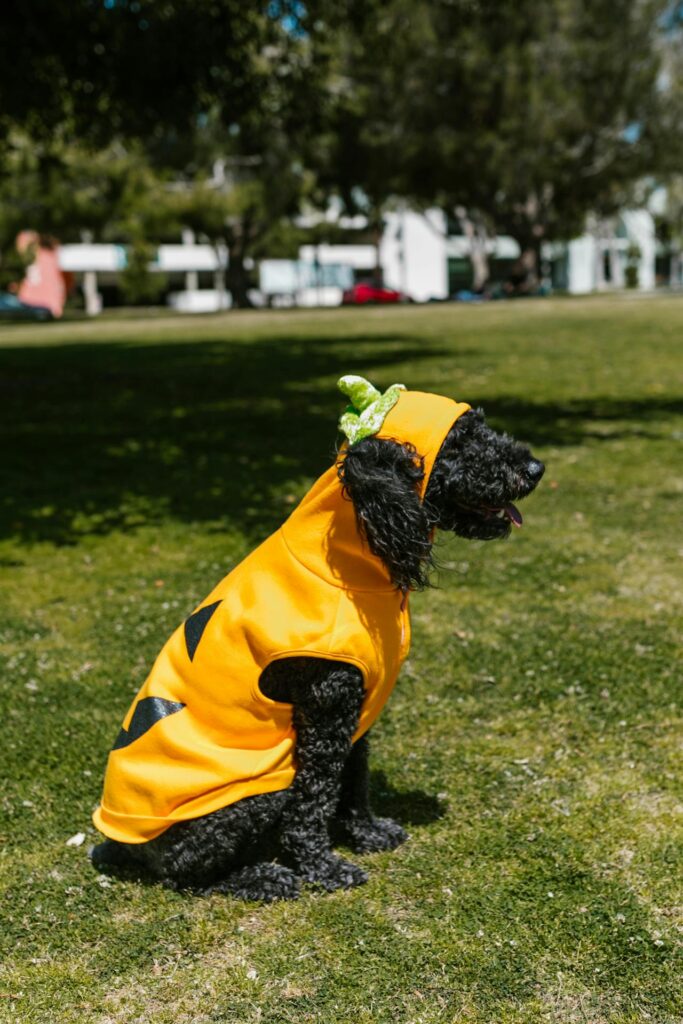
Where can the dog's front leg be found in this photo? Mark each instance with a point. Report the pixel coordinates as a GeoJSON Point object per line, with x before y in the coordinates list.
{"type": "Point", "coordinates": [326, 712]}
{"type": "Point", "coordinates": [364, 832]}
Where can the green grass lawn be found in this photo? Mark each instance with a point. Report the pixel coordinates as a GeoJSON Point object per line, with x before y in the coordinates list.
{"type": "Point", "coordinates": [532, 746]}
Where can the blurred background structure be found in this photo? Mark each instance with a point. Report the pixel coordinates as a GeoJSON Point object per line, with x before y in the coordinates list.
{"type": "Point", "coordinates": [208, 153]}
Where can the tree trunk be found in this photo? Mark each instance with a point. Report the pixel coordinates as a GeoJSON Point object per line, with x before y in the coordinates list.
{"type": "Point", "coordinates": [91, 296]}
{"type": "Point", "coordinates": [237, 280]}
{"type": "Point", "coordinates": [243, 236]}
{"type": "Point", "coordinates": [528, 230]}
{"type": "Point", "coordinates": [477, 237]}
{"type": "Point", "coordinates": [377, 233]}
{"type": "Point", "coordinates": [525, 278]}
{"type": "Point", "coordinates": [597, 233]}
{"type": "Point", "coordinates": [480, 267]}
{"type": "Point", "coordinates": [219, 274]}
{"type": "Point", "coordinates": [616, 265]}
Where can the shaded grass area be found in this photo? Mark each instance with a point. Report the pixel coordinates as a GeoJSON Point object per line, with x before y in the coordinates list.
{"type": "Point", "coordinates": [532, 746]}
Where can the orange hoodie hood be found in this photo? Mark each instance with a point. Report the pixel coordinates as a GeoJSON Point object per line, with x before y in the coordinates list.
{"type": "Point", "coordinates": [322, 530]}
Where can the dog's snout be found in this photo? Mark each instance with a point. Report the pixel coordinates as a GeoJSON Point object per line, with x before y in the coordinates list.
{"type": "Point", "coordinates": [535, 470]}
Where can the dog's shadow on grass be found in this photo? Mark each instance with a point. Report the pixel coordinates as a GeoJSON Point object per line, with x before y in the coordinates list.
{"type": "Point", "coordinates": [407, 806]}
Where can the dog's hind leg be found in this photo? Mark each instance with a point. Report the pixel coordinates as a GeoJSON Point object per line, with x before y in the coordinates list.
{"type": "Point", "coordinates": [110, 856]}
{"type": "Point", "coordinates": [217, 852]}
{"type": "Point", "coordinates": [354, 818]}
{"type": "Point", "coordinates": [226, 852]}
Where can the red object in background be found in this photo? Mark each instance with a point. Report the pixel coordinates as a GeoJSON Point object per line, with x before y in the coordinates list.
{"type": "Point", "coordinates": [44, 283]}
{"type": "Point", "coordinates": [362, 294]}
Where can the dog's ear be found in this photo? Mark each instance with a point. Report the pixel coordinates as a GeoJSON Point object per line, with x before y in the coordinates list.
{"type": "Point", "coordinates": [382, 478]}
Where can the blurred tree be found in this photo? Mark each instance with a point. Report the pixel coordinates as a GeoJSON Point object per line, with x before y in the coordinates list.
{"type": "Point", "coordinates": [542, 120]}
{"type": "Point", "coordinates": [219, 97]}
{"type": "Point", "coordinates": [139, 284]}
{"type": "Point", "coordinates": [361, 155]}
{"type": "Point", "coordinates": [239, 210]}
{"type": "Point", "coordinates": [516, 118]}
{"type": "Point", "coordinates": [237, 186]}
{"type": "Point", "coordinates": [519, 118]}
{"type": "Point", "coordinates": [112, 68]}
{"type": "Point", "coordinates": [13, 264]}
{"type": "Point", "coordinates": [633, 255]}
{"type": "Point", "coordinates": [240, 184]}
{"type": "Point", "coordinates": [669, 223]}
{"type": "Point", "coordinates": [65, 190]}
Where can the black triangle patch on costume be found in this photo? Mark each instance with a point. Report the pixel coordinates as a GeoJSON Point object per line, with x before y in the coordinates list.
{"type": "Point", "coordinates": [195, 626]}
{"type": "Point", "coordinates": [148, 712]}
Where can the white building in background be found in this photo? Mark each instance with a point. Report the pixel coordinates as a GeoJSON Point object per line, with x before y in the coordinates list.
{"type": "Point", "coordinates": [599, 259]}
{"type": "Point", "coordinates": [101, 264]}
{"type": "Point", "coordinates": [417, 257]}
{"type": "Point", "coordinates": [413, 256]}
{"type": "Point", "coordinates": [420, 259]}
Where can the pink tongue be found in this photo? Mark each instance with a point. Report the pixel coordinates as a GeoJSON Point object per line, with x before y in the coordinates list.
{"type": "Point", "coordinates": [514, 515]}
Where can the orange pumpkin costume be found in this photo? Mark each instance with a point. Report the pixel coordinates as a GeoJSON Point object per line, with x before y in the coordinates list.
{"type": "Point", "coordinates": [200, 734]}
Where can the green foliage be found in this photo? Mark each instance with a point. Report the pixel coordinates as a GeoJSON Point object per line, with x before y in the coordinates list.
{"type": "Point", "coordinates": [633, 255]}
{"type": "Point", "coordinates": [138, 283]}
{"type": "Point", "coordinates": [670, 220]}
{"type": "Point", "coordinates": [123, 69]}
{"type": "Point", "coordinates": [532, 745]}
{"type": "Point", "coordinates": [65, 189]}
{"type": "Point", "coordinates": [513, 118]}
{"type": "Point", "coordinates": [13, 264]}
{"type": "Point", "coordinates": [240, 189]}
{"type": "Point", "coordinates": [88, 144]}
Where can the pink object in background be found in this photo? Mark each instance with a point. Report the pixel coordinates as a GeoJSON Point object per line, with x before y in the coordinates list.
{"type": "Point", "coordinates": [44, 283]}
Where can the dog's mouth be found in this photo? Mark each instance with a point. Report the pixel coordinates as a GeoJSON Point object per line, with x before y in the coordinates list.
{"type": "Point", "coordinates": [482, 522]}
{"type": "Point", "coordinates": [492, 513]}
{"type": "Point", "coordinates": [508, 513]}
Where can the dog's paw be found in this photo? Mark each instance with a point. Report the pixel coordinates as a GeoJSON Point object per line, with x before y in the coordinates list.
{"type": "Point", "coordinates": [332, 873]}
{"type": "Point", "coordinates": [371, 835]}
{"type": "Point", "coordinates": [262, 883]}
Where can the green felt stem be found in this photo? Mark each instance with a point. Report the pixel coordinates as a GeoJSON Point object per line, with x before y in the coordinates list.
{"type": "Point", "coordinates": [369, 408]}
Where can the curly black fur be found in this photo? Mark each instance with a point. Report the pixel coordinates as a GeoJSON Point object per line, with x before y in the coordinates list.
{"type": "Point", "coordinates": [209, 853]}
{"type": "Point", "coordinates": [264, 847]}
{"type": "Point", "coordinates": [382, 478]}
{"type": "Point", "coordinates": [479, 472]}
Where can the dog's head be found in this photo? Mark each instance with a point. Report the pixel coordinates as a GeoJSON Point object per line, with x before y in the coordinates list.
{"type": "Point", "coordinates": [477, 477]}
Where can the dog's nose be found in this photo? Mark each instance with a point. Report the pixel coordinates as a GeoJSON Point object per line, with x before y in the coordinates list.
{"type": "Point", "coordinates": [535, 470]}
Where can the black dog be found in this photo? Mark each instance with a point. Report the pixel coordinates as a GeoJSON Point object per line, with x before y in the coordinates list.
{"type": "Point", "coordinates": [476, 477]}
